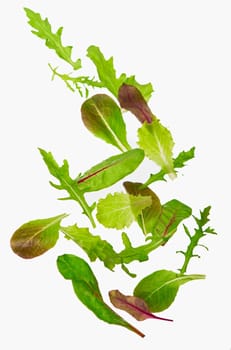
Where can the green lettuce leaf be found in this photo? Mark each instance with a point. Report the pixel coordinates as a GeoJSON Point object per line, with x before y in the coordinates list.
{"type": "Point", "coordinates": [43, 30]}
{"type": "Point", "coordinates": [110, 171]}
{"type": "Point", "coordinates": [107, 74]}
{"type": "Point", "coordinates": [119, 210]}
{"type": "Point", "coordinates": [36, 237]}
{"type": "Point", "coordinates": [103, 118]}
{"type": "Point", "coordinates": [160, 288]}
{"type": "Point", "coordinates": [87, 290]}
{"type": "Point", "coordinates": [157, 143]}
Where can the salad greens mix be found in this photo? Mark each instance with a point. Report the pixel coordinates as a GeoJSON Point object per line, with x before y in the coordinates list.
{"type": "Point", "coordinates": [102, 115]}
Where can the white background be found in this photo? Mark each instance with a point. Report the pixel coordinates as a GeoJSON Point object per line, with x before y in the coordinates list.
{"type": "Point", "coordinates": [183, 48]}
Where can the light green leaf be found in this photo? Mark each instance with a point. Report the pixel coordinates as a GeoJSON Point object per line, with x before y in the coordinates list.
{"type": "Point", "coordinates": [87, 290]}
{"type": "Point", "coordinates": [110, 171]}
{"type": "Point", "coordinates": [119, 210]}
{"type": "Point", "coordinates": [157, 143]}
{"type": "Point", "coordinates": [53, 40]}
{"type": "Point", "coordinates": [103, 118]}
{"type": "Point", "coordinates": [94, 246]}
{"type": "Point", "coordinates": [107, 74]}
{"type": "Point", "coordinates": [160, 288]}
{"type": "Point", "coordinates": [36, 237]}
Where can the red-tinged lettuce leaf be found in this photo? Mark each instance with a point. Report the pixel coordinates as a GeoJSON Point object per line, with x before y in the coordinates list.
{"type": "Point", "coordinates": [110, 171]}
{"type": "Point", "coordinates": [87, 290]}
{"type": "Point", "coordinates": [135, 306]}
{"type": "Point", "coordinates": [160, 288]}
{"type": "Point", "coordinates": [36, 237]}
{"type": "Point", "coordinates": [149, 216]}
{"type": "Point", "coordinates": [107, 74]}
{"type": "Point", "coordinates": [103, 118]}
{"type": "Point", "coordinates": [131, 99]}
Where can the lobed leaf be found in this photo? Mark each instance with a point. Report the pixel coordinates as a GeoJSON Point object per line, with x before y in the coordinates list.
{"type": "Point", "coordinates": [107, 74]}
{"type": "Point", "coordinates": [103, 118]}
{"type": "Point", "coordinates": [160, 288]}
{"type": "Point", "coordinates": [119, 210]}
{"type": "Point", "coordinates": [53, 40]}
{"type": "Point", "coordinates": [87, 290]}
{"type": "Point", "coordinates": [110, 171]}
{"type": "Point", "coordinates": [157, 143]}
{"type": "Point", "coordinates": [36, 237]}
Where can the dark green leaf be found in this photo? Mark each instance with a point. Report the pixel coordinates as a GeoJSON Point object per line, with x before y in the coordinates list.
{"type": "Point", "coordinates": [53, 40]}
{"type": "Point", "coordinates": [160, 288]}
{"type": "Point", "coordinates": [131, 99]}
{"type": "Point", "coordinates": [107, 74]}
{"type": "Point", "coordinates": [110, 171]}
{"type": "Point", "coordinates": [87, 290]}
{"type": "Point", "coordinates": [103, 117]}
{"type": "Point", "coordinates": [36, 237]}
{"type": "Point", "coordinates": [149, 216]}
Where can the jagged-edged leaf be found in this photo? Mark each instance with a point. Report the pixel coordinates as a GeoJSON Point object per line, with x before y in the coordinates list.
{"type": "Point", "coordinates": [160, 288]}
{"type": "Point", "coordinates": [119, 210]}
{"type": "Point", "coordinates": [36, 237]}
{"type": "Point", "coordinates": [135, 306]}
{"type": "Point", "coordinates": [131, 99]}
{"type": "Point", "coordinates": [94, 246]}
{"type": "Point", "coordinates": [157, 143]}
{"type": "Point", "coordinates": [107, 74]}
{"type": "Point", "coordinates": [110, 171]}
{"type": "Point", "coordinates": [103, 117]}
{"type": "Point", "coordinates": [53, 40]}
{"type": "Point", "coordinates": [149, 216]}
{"type": "Point", "coordinates": [87, 290]}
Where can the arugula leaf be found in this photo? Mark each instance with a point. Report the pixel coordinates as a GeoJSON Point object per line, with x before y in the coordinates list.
{"type": "Point", "coordinates": [53, 40]}
{"type": "Point", "coordinates": [103, 118]}
{"type": "Point", "coordinates": [94, 246]}
{"type": "Point", "coordinates": [107, 74]}
{"type": "Point", "coordinates": [178, 162]}
{"type": "Point", "coordinates": [66, 182]}
{"type": "Point", "coordinates": [110, 171]}
{"type": "Point", "coordinates": [119, 210]}
{"type": "Point", "coordinates": [157, 143]}
{"type": "Point", "coordinates": [131, 99]}
{"type": "Point", "coordinates": [149, 216]}
{"type": "Point", "coordinates": [199, 232]}
{"type": "Point", "coordinates": [36, 237]}
{"type": "Point", "coordinates": [87, 290]}
{"type": "Point", "coordinates": [135, 306]}
{"type": "Point", "coordinates": [160, 288]}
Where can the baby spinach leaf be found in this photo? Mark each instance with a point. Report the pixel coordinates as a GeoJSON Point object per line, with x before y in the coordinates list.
{"type": "Point", "coordinates": [66, 182]}
{"type": "Point", "coordinates": [149, 216]}
{"type": "Point", "coordinates": [135, 306]}
{"type": "Point", "coordinates": [157, 143]}
{"type": "Point", "coordinates": [131, 99]}
{"type": "Point", "coordinates": [160, 288]}
{"type": "Point", "coordinates": [53, 40]}
{"type": "Point", "coordinates": [110, 171]}
{"type": "Point", "coordinates": [87, 290]}
{"type": "Point", "coordinates": [119, 210]}
{"type": "Point", "coordinates": [94, 246]}
{"type": "Point", "coordinates": [107, 74]}
{"type": "Point", "coordinates": [36, 237]}
{"type": "Point", "coordinates": [103, 118]}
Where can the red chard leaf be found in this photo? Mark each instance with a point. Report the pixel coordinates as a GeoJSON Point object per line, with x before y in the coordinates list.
{"type": "Point", "coordinates": [135, 306]}
{"type": "Point", "coordinates": [130, 98]}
